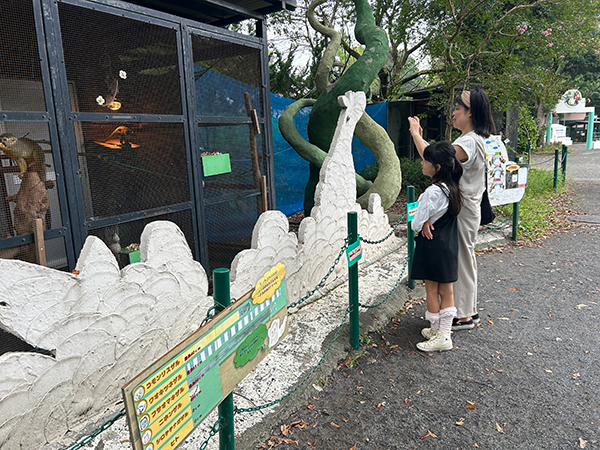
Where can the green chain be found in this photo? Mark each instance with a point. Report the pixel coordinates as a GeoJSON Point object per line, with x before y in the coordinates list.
{"type": "Point", "coordinates": [217, 426]}
{"type": "Point", "coordinates": [392, 291]}
{"type": "Point", "coordinates": [322, 282]}
{"type": "Point", "coordinates": [311, 373]}
{"type": "Point", "coordinates": [496, 227]}
{"type": "Point", "coordinates": [91, 437]}
{"type": "Point", "coordinates": [388, 235]}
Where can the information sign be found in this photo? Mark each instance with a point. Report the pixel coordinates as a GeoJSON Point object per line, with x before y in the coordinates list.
{"type": "Point", "coordinates": [411, 210]}
{"type": "Point", "coordinates": [171, 397]}
{"type": "Point", "coordinates": [354, 252]}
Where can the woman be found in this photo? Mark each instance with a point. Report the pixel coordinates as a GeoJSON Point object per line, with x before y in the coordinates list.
{"type": "Point", "coordinates": [472, 116]}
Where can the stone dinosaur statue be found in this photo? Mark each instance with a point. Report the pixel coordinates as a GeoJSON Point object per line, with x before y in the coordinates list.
{"type": "Point", "coordinates": [325, 110]}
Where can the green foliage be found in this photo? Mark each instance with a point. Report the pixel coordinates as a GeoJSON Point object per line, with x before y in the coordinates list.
{"type": "Point", "coordinates": [369, 172]}
{"type": "Point", "coordinates": [412, 175]}
{"type": "Point", "coordinates": [537, 213]}
{"type": "Point", "coordinates": [528, 132]}
{"type": "Point", "coordinates": [549, 148]}
{"type": "Point", "coordinates": [365, 339]}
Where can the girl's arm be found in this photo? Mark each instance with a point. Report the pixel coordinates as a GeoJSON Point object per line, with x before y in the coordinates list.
{"type": "Point", "coordinates": [417, 134]}
{"type": "Point", "coordinates": [427, 229]}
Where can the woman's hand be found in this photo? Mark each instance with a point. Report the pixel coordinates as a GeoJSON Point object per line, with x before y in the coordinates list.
{"type": "Point", "coordinates": [415, 126]}
{"type": "Point", "coordinates": [427, 230]}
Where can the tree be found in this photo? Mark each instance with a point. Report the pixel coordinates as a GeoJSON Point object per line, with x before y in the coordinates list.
{"type": "Point", "coordinates": [516, 49]}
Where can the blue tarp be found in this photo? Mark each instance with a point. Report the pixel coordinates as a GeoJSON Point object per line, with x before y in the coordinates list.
{"type": "Point", "coordinates": [291, 171]}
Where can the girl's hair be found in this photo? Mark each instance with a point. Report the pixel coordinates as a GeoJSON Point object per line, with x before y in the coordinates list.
{"type": "Point", "coordinates": [443, 154]}
{"type": "Point", "coordinates": [481, 112]}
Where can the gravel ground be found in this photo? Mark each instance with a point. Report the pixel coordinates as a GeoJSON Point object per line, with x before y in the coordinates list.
{"type": "Point", "coordinates": [526, 378]}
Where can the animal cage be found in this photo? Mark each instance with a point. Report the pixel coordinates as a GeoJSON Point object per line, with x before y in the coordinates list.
{"type": "Point", "coordinates": [113, 115]}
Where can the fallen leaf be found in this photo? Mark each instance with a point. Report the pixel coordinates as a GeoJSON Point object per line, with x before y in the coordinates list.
{"type": "Point", "coordinates": [354, 447]}
{"type": "Point", "coordinates": [582, 443]}
{"type": "Point", "coordinates": [461, 421]}
{"type": "Point", "coordinates": [499, 428]}
{"type": "Point", "coordinates": [385, 351]}
{"type": "Point", "coordinates": [393, 346]}
{"type": "Point", "coordinates": [575, 376]}
{"type": "Point", "coordinates": [334, 425]}
{"type": "Point", "coordinates": [285, 429]}
{"type": "Point", "coordinates": [428, 434]}
{"type": "Point", "coordinates": [491, 322]}
{"type": "Point", "coordinates": [471, 405]}
{"type": "Point", "coordinates": [289, 441]}
{"type": "Point", "coordinates": [514, 289]}
{"type": "Point", "coordinates": [299, 424]}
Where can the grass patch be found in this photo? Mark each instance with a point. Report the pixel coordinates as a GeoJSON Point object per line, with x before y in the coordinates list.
{"type": "Point", "coordinates": [541, 210]}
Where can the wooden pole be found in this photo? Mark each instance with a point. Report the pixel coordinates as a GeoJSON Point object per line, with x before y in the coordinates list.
{"type": "Point", "coordinates": [254, 130]}
{"type": "Point", "coordinates": [40, 248]}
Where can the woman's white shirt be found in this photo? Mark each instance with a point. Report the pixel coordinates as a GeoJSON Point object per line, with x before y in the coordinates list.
{"type": "Point", "coordinates": [433, 204]}
{"type": "Point", "coordinates": [468, 142]}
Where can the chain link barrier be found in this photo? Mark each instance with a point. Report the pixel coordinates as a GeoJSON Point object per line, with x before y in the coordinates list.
{"type": "Point", "coordinates": [393, 289]}
{"type": "Point", "coordinates": [217, 426]}
{"type": "Point", "coordinates": [542, 162]}
{"type": "Point", "coordinates": [324, 279]}
{"type": "Point", "coordinates": [91, 437]}
{"type": "Point", "coordinates": [366, 241]}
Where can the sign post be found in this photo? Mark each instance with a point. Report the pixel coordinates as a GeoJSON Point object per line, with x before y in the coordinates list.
{"type": "Point", "coordinates": [353, 254]}
{"type": "Point", "coordinates": [222, 300]}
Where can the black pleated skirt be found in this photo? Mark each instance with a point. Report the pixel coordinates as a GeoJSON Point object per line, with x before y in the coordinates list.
{"type": "Point", "coordinates": [437, 259]}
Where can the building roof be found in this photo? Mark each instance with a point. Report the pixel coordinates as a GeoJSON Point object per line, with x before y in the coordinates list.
{"type": "Point", "coordinates": [218, 12]}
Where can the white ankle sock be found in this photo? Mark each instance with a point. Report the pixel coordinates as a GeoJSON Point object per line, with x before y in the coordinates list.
{"type": "Point", "coordinates": [446, 315]}
{"type": "Point", "coordinates": [434, 319]}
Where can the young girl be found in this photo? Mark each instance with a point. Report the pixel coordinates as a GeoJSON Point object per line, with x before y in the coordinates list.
{"type": "Point", "coordinates": [436, 253]}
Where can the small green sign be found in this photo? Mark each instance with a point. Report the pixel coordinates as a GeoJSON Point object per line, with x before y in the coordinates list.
{"type": "Point", "coordinates": [354, 252]}
{"type": "Point", "coordinates": [411, 210]}
{"type": "Point", "coordinates": [216, 164]}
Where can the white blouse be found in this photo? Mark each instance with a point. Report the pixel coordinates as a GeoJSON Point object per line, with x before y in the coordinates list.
{"type": "Point", "coordinates": [433, 204]}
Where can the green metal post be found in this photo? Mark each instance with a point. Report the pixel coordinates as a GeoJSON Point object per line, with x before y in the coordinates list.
{"type": "Point", "coordinates": [410, 198]}
{"type": "Point", "coordinates": [590, 131]}
{"type": "Point", "coordinates": [222, 299]}
{"type": "Point", "coordinates": [565, 151]}
{"type": "Point", "coordinates": [353, 283]}
{"type": "Point", "coordinates": [555, 168]}
{"type": "Point", "coordinates": [515, 224]}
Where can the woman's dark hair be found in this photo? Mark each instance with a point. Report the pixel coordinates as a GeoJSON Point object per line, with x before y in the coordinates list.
{"type": "Point", "coordinates": [450, 170]}
{"type": "Point", "coordinates": [481, 112]}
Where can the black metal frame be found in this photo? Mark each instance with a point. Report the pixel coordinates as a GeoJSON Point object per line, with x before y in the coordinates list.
{"type": "Point", "coordinates": [62, 135]}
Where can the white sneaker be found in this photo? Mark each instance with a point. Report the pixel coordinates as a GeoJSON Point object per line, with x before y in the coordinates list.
{"type": "Point", "coordinates": [440, 343]}
{"type": "Point", "coordinates": [429, 333]}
